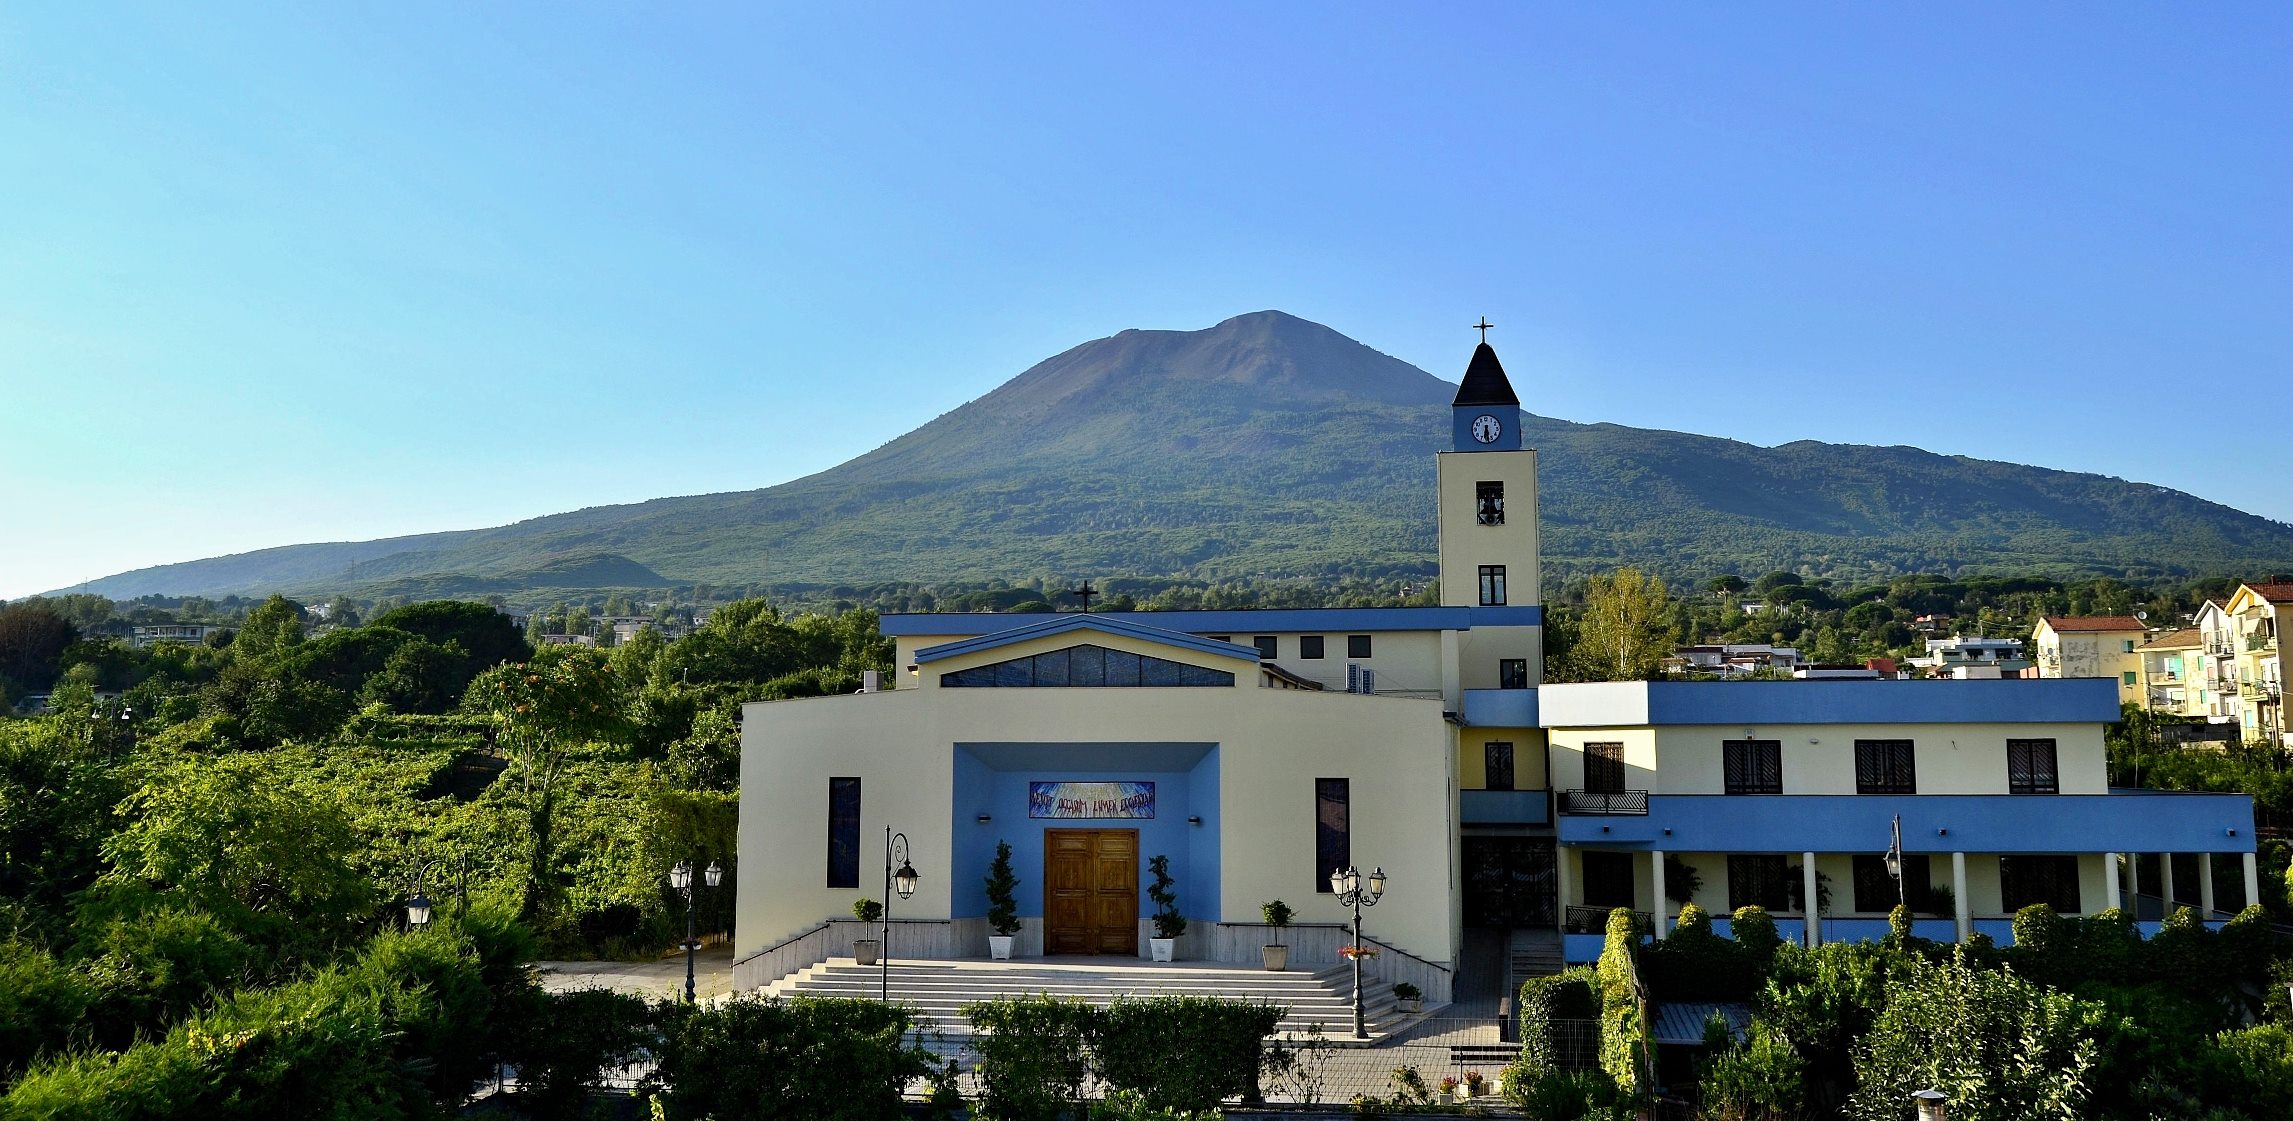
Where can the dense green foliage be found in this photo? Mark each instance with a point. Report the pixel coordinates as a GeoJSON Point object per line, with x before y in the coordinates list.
{"type": "Point", "coordinates": [204, 850]}
{"type": "Point", "coordinates": [1173, 1054]}
{"type": "Point", "coordinates": [757, 1058]}
{"type": "Point", "coordinates": [1269, 445]}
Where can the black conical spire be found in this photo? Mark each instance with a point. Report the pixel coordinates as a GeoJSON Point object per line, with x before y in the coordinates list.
{"type": "Point", "coordinates": [1485, 381]}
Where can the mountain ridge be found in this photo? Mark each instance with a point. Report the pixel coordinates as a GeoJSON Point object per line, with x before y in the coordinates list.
{"type": "Point", "coordinates": [1271, 445]}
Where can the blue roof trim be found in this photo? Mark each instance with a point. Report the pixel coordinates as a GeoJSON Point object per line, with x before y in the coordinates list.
{"type": "Point", "coordinates": [1103, 624]}
{"type": "Point", "coordinates": [1751, 704]}
{"type": "Point", "coordinates": [1270, 621]}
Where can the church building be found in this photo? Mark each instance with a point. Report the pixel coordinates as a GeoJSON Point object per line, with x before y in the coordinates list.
{"type": "Point", "coordinates": [1257, 751]}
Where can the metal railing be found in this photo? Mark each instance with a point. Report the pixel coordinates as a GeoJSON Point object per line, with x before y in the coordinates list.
{"type": "Point", "coordinates": [2254, 642]}
{"type": "Point", "coordinates": [2258, 690]}
{"type": "Point", "coordinates": [1603, 803]}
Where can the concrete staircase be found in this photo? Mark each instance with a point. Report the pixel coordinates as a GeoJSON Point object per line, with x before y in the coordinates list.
{"type": "Point", "coordinates": [1533, 953]}
{"type": "Point", "coordinates": [938, 989]}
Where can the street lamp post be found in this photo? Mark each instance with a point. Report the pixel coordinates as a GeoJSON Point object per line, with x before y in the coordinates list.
{"type": "Point", "coordinates": [418, 906]}
{"type": "Point", "coordinates": [1352, 892]}
{"type": "Point", "coordinates": [681, 878]}
{"type": "Point", "coordinates": [903, 882]}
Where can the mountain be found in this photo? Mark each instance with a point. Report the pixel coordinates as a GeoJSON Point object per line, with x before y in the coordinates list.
{"type": "Point", "coordinates": [1269, 445]}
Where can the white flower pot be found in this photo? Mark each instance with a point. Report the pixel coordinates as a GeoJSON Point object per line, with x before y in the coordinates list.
{"type": "Point", "coordinates": [1410, 1004]}
{"type": "Point", "coordinates": [999, 946]}
{"type": "Point", "coordinates": [1277, 957]}
{"type": "Point", "coordinates": [864, 950]}
{"type": "Point", "coordinates": [1165, 949]}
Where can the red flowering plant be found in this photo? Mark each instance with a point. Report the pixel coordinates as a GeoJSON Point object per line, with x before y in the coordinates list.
{"type": "Point", "coordinates": [1351, 953]}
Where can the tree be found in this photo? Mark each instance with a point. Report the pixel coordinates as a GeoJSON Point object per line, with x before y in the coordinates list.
{"type": "Point", "coordinates": [272, 628]}
{"type": "Point", "coordinates": [1999, 1046]}
{"type": "Point", "coordinates": [32, 639]}
{"type": "Point", "coordinates": [486, 635]}
{"type": "Point", "coordinates": [566, 696]}
{"type": "Point", "coordinates": [1622, 635]}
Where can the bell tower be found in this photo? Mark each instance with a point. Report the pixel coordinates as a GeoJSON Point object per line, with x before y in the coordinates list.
{"type": "Point", "coordinates": [1488, 530]}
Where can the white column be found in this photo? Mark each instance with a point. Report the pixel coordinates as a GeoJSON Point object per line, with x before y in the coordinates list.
{"type": "Point", "coordinates": [2109, 880]}
{"type": "Point", "coordinates": [2205, 883]}
{"type": "Point", "coordinates": [1656, 876]}
{"type": "Point", "coordinates": [1965, 910]}
{"type": "Point", "coordinates": [2166, 882]}
{"type": "Point", "coordinates": [1560, 888]}
{"type": "Point", "coordinates": [1814, 908]}
{"type": "Point", "coordinates": [2252, 879]}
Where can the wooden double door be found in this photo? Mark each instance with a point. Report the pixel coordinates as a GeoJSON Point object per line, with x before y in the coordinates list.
{"type": "Point", "coordinates": [1091, 891]}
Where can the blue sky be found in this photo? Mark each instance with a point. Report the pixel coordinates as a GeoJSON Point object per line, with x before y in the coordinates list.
{"type": "Point", "coordinates": [319, 272]}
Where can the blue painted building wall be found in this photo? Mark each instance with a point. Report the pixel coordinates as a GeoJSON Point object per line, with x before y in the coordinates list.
{"type": "Point", "coordinates": [993, 779]}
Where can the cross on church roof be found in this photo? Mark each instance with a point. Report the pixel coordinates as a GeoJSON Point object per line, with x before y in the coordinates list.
{"type": "Point", "coordinates": [1085, 593]}
{"type": "Point", "coordinates": [1484, 325]}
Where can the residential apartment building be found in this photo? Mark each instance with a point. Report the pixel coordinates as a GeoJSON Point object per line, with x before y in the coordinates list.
{"type": "Point", "coordinates": [2003, 654]}
{"type": "Point", "coordinates": [1775, 793]}
{"type": "Point", "coordinates": [193, 633]}
{"type": "Point", "coordinates": [2257, 617]}
{"type": "Point", "coordinates": [1734, 659]}
{"type": "Point", "coordinates": [2173, 674]}
{"type": "Point", "coordinates": [2092, 646]}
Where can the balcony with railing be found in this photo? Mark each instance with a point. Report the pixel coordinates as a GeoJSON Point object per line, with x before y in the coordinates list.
{"type": "Point", "coordinates": [2259, 690]}
{"type": "Point", "coordinates": [2260, 642]}
{"type": "Point", "coordinates": [1604, 803]}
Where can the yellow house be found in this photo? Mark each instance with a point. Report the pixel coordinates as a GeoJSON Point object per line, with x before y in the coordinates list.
{"type": "Point", "coordinates": [2173, 674]}
{"type": "Point", "coordinates": [2093, 646]}
{"type": "Point", "coordinates": [2258, 615]}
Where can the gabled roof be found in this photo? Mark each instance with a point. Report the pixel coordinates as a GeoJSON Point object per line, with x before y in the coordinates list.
{"type": "Point", "coordinates": [2274, 593]}
{"type": "Point", "coordinates": [2187, 638]}
{"type": "Point", "coordinates": [2065, 624]}
{"type": "Point", "coordinates": [1099, 624]}
{"type": "Point", "coordinates": [1485, 381]}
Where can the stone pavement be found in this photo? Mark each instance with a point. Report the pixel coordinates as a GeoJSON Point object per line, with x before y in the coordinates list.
{"type": "Point", "coordinates": [659, 980]}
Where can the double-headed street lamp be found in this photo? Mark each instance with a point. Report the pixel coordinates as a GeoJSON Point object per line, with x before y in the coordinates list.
{"type": "Point", "coordinates": [902, 881]}
{"type": "Point", "coordinates": [1352, 892]}
{"type": "Point", "coordinates": [681, 878]}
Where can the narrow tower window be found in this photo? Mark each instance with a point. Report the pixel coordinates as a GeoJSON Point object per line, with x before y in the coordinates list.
{"type": "Point", "coordinates": [843, 832]}
{"type": "Point", "coordinates": [1333, 829]}
{"type": "Point", "coordinates": [1489, 503]}
{"type": "Point", "coordinates": [1492, 585]}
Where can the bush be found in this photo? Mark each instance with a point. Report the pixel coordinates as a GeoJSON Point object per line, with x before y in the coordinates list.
{"type": "Point", "coordinates": [1570, 994]}
{"type": "Point", "coordinates": [1003, 905]}
{"type": "Point", "coordinates": [1183, 1053]}
{"type": "Point", "coordinates": [1763, 1080]}
{"type": "Point", "coordinates": [2001, 1047]}
{"type": "Point", "coordinates": [1824, 1001]}
{"type": "Point", "coordinates": [1565, 1095]}
{"type": "Point", "coordinates": [762, 1057]}
{"type": "Point", "coordinates": [1623, 1033]}
{"type": "Point", "coordinates": [566, 1042]}
{"type": "Point", "coordinates": [43, 1005]}
{"type": "Point", "coordinates": [1033, 1055]}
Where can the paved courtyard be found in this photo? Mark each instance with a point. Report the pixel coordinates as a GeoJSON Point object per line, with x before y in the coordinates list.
{"type": "Point", "coordinates": [712, 975]}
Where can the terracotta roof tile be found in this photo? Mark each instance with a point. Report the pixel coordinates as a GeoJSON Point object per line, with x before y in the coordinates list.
{"type": "Point", "coordinates": [2274, 593]}
{"type": "Point", "coordinates": [2068, 623]}
{"type": "Point", "coordinates": [2187, 638]}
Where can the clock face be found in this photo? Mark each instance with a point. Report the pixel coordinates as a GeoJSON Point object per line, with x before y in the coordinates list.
{"type": "Point", "coordinates": [1486, 428]}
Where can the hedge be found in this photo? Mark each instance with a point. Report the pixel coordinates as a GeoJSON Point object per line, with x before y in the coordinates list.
{"type": "Point", "coordinates": [762, 1057]}
{"type": "Point", "coordinates": [1173, 1054]}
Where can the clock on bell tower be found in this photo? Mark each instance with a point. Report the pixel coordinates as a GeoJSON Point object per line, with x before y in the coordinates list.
{"type": "Point", "coordinates": [1488, 530]}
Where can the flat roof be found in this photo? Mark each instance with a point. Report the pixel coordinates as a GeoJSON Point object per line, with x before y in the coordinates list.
{"type": "Point", "coordinates": [1242, 621]}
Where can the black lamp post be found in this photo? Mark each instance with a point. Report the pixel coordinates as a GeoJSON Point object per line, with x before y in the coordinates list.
{"type": "Point", "coordinates": [418, 906]}
{"type": "Point", "coordinates": [903, 882]}
{"type": "Point", "coordinates": [681, 878]}
{"type": "Point", "coordinates": [1352, 892]}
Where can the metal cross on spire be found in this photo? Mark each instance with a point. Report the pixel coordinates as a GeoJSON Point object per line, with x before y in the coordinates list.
{"type": "Point", "coordinates": [1484, 325]}
{"type": "Point", "coordinates": [1085, 593]}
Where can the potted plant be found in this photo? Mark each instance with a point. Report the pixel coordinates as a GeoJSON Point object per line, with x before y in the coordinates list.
{"type": "Point", "coordinates": [1277, 915]}
{"type": "Point", "coordinates": [864, 950]}
{"type": "Point", "coordinates": [1408, 996]}
{"type": "Point", "coordinates": [1475, 1085]}
{"type": "Point", "coordinates": [1002, 904]}
{"type": "Point", "coordinates": [1168, 923]}
{"type": "Point", "coordinates": [1449, 1090]}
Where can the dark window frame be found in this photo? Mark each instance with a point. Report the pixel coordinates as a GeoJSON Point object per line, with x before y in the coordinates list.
{"type": "Point", "coordinates": [1609, 879]}
{"type": "Point", "coordinates": [1875, 889]}
{"type": "Point", "coordinates": [1492, 585]}
{"type": "Point", "coordinates": [1269, 646]}
{"type": "Point", "coordinates": [2033, 767]}
{"type": "Point", "coordinates": [1604, 767]}
{"type": "Point", "coordinates": [1497, 759]}
{"type": "Point", "coordinates": [844, 832]}
{"type": "Point", "coordinates": [1751, 766]}
{"type": "Point", "coordinates": [1489, 502]}
{"type": "Point", "coordinates": [1310, 647]}
{"type": "Point", "coordinates": [1087, 666]}
{"type": "Point", "coordinates": [1512, 673]}
{"type": "Point", "coordinates": [1333, 829]}
{"type": "Point", "coordinates": [1358, 646]}
{"type": "Point", "coordinates": [1886, 767]}
{"type": "Point", "coordinates": [1759, 880]}
{"type": "Point", "coordinates": [2029, 878]}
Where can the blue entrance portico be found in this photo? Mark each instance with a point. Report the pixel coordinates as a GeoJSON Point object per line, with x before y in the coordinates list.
{"type": "Point", "coordinates": [992, 780]}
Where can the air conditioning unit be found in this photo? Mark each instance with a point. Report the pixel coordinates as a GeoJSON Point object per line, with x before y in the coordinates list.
{"type": "Point", "coordinates": [1353, 677]}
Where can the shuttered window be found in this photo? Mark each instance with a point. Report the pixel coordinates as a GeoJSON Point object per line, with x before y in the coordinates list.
{"type": "Point", "coordinates": [1752, 766]}
{"type": "Point", "coordinates": [1497, 761]}
{"type": "Point", "coordinates": [1759, 881]}
{"type": "Point", "coordinates": [2030, 767]}
{"type": "Point", "coordinates": [1604, 768]}
{"type": "Point", "coordinates": [1884, 767]}
{"type": "Point", "coordinates": [1875, 889]}
{"type": "Point", "coordinates": [1607, 879]}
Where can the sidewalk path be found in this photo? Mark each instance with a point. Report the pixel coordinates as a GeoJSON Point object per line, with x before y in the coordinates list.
{"type": "Point", "coordinates": [658, 980]}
